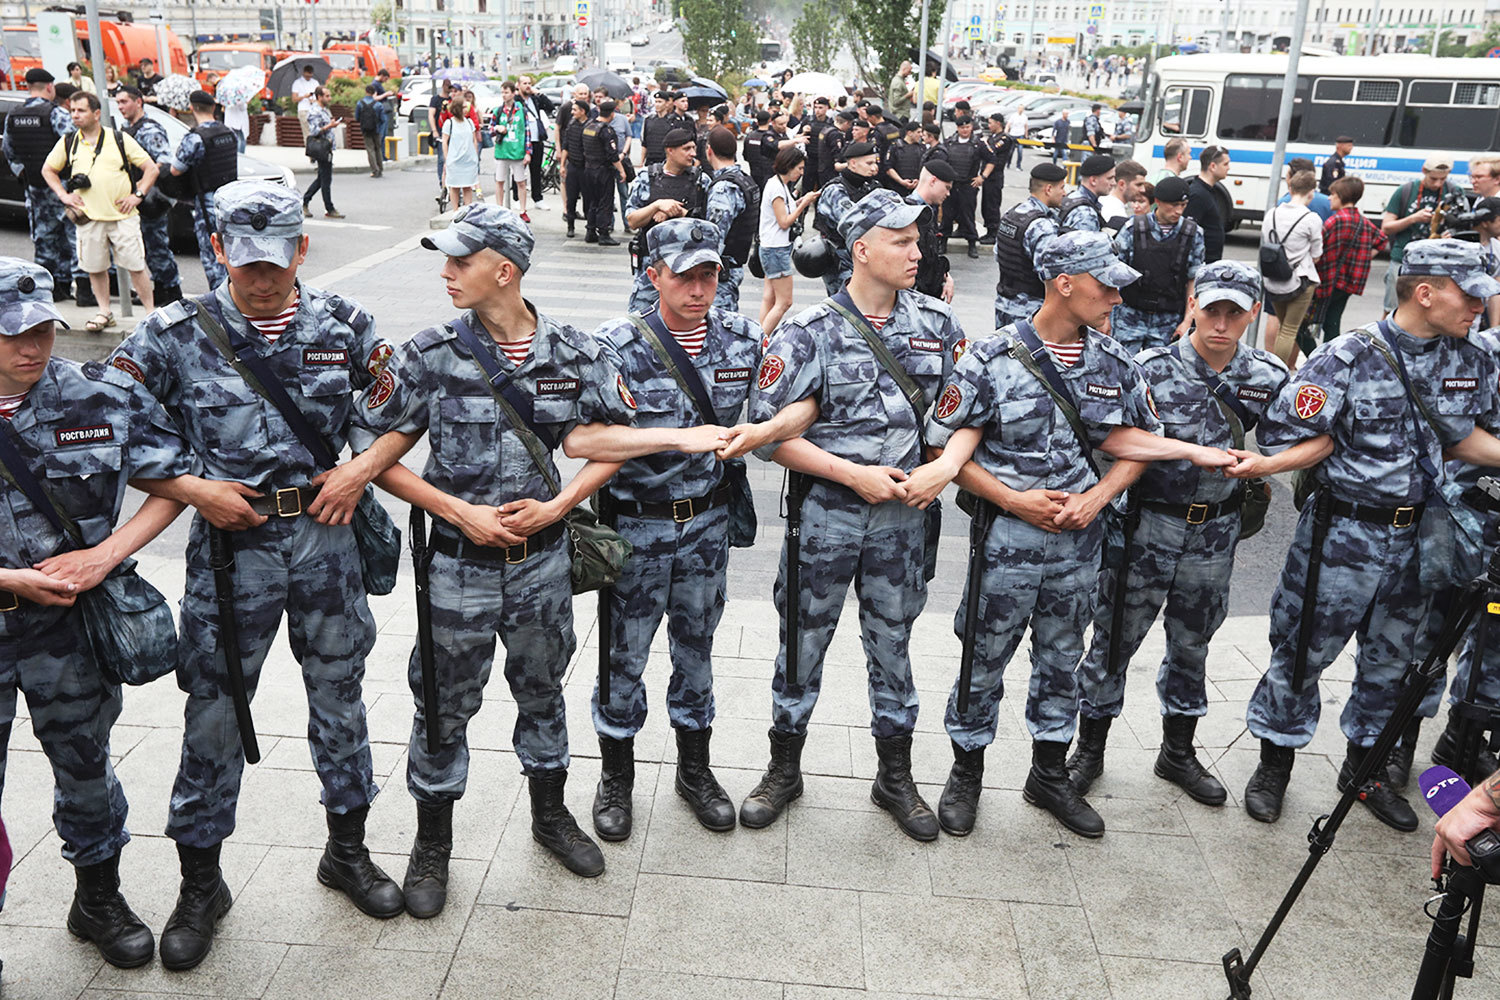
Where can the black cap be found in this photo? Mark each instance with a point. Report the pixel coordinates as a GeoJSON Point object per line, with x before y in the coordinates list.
{"type": "Point", "coordinates": [941, 169]}
{"type": "Point", "coordinates": [933, 130]}
{"type": "Point", "coordinates": [860, 122]}
{"type": "Point", "coordinates": [1095, 165]}
{"type": "Point", "coordinates": [962, 120]}
{"type": "Point", "coordinates": [1344, 138]}
{"type": "Point", "coordinates": [201, 99]}
{"type": "Point", "coordinates": [1171, 190]}
{"type": "Point", "coordinates": [1049, 173]}
{"type": "Point", "coordinates": [847, 116]}
{"type": "Point", "coordinates": [678, 137]}
{"type": "Point", "coordinates": [1486, 209]}
{"type": "Point", "coordinates": [997, 116]}
{"type": "Point", "coordinates": [822, 100]}
{"type": "Point", "coordinates": [38, 75]}
{"type": "Point", "coordinates": [875, 109]}
{"type": "Point", "coordinates": [858, 149]}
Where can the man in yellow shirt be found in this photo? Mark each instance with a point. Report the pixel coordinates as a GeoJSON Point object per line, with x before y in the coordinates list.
{"type": "Point", "coordinates": [101, 197]}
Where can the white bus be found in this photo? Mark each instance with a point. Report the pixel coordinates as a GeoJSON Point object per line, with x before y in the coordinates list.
{"type": "Point", "coordinates": [1399, 109]}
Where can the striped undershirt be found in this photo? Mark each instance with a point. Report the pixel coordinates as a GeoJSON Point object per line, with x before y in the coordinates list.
{"type": "Point", "coordinates": [272, 327]}
{"type": "Point", "coordinates": [515, 351]}
{"type": "Point", "coordinates": [691, 341]}
{"type": "Point", "coordinates": [1067, 354]}
{"type": "Point", "coordinates": [10, 404]}
{"type": "Point", "coordinates": [877, 321]}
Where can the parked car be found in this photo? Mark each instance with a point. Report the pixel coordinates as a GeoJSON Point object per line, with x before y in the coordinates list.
{"type": "Point", "coordinates": [637, 41]}
{"type": "Point", "coordinates": [566, 64]}
{"type": "Point", "coordinates": [417, 92]}
{"type": "Point", "coordinates": [666, 27]}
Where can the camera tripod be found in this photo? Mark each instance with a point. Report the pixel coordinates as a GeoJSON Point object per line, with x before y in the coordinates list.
{"type": "Point", "coordinates": [1448, 955]}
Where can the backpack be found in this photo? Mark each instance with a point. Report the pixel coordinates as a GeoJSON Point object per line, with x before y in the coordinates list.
{"type": "Point", "coordinates": [368, 116]}
{"type": "Point", "coordinates": [1274, 263]}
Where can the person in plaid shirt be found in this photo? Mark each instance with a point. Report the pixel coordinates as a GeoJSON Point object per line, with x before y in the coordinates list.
{"type": "Point", "coordinates": [1350, 241]}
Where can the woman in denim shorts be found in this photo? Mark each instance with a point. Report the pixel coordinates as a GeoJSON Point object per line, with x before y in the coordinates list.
{"type": "Point", "coordinates": [778, 212]}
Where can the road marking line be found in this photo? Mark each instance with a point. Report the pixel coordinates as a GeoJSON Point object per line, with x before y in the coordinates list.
{"type": "Point", "coordinates": [330, 224]}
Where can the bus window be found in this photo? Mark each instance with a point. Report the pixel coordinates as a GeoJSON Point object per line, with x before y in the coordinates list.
{"type": "Point", "coordinates": [1251, 104]}
{"type": "Point", "coordinates": [1184, 111]}
{"type": "Point", "coordinates": [1442, 114]}
{"type": "Point", "coordinates": [1362, 109]}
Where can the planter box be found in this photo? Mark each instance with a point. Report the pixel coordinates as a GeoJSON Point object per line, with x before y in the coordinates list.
{"type": "Point", "coordinates": [289, 132]}
{"type": "Point", "coordinates": [257, 126]}
{"type": "Point", "coordinates": [354, 136]}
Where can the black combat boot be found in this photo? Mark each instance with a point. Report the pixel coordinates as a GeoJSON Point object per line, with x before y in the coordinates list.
{"type": "Point", "coordinates": [960, 800]}
{"type": "Point", "coordinates": [1445, 752]}
{"type": "Point", "coordinates": [165, 294]}
{"type": "Point", "coordinates": [1048, 787]}
{"type": "Point", "coordinates": [987, 240]}
{"type": "Point", "coordinates": [554, 827]}
{"type": "Point", "coordinates": [425, 888]}
{"type": "Point", "coordinates": [590, 236]}
{"type": "Point", "coordinates": [1087, 762]}
{"type": "Point", "coordinates": [202, 900]}
{"type": "Point", "coordinates": [84, 296]}
{"type": "Point", "coordinates": [895, 791]}
{"type": "Point", "coordinates": [696, 781]}
{"type": "Point", "coordinates": [781, 783]}
{"type": "Point", "coordinates": [1267, 786]}
{"type": "Point", "coordinates": [607, 239]}
{"type": "Point", "coordinates": [1178, 761]}
{"type": "Point", "coordinates": [62, 290]}
{"type": "Point", "coordinates": [1398, 764]}
{"type": "Point", "coordinates": [612, 807]}
{"type": "Point", "coordinates": [973, 250]}
{"type": "Point", "coordinates": [571, 233]}
{"type": "Point", "coordinates": [101, 915]}
{"type": "Point", "coordinates": [346, 865]}
{"type": "Point", "coordinates": [1376, 793]}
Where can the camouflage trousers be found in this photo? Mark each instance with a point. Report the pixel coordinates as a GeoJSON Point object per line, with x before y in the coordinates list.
{"type": "Point", "coordinates": [309, 571]}
{"type": "Point", "coordinates": [1013, 310]}
{"type": "Point", "coordinates": [677, 571]}
{"type": "Point", "coordinates": [1184, 568]}
{"type": "Point", "coordinates": [159, 258]}
{"type": "Point", "coordinates": [72, 711]}
{"type": "Point", "coordinates": [1367, 589]}
{"type": "Point", "coordinates": [529, 606]}
{"type": "Point", "coordinates": [53, 236]}
{"type": "Point", "coordinates": [879, 548]}
{"type": "Point", "coordinates": [1135, 329]}
{"type": "Point", "coordinates": [1047, 582]}
{"type": "Point", "coordinates": [204, 223]}
{"type": "Point", "coordinates": [728, 295]}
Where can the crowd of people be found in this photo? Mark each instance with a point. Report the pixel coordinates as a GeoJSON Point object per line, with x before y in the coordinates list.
{"type": "Point", "coordinates": [1099, 435]}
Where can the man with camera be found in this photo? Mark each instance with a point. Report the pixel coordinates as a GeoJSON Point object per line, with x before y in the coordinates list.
{"type": "Point", "coordinates": [107, 177]}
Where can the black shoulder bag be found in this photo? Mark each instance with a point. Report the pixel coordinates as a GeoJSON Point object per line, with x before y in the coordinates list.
{"type": "Point", "coordinates": [126, 621]}
{"type": "Point", "coordinates": [1255, 494]}
{"type": "Point", "coordinates": [742, 522]}
{"type": "Point", "coordinates": [378, 538]}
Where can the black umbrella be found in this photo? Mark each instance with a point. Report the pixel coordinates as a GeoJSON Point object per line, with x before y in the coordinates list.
{"type": "Point", "coordinates": [1131, 108]}
{"type": "Point", "coordinates": [289, 70]}
{"type": "Point", "coordinates": [702, 92]}
{"type": "Point", "coordinates": [599, 79]}
{"type": "Point", "coordinates": [705, 83]}
{"type": "Point", "coordinates": [935, 60]}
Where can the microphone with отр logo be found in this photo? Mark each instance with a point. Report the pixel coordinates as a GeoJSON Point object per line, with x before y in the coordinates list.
{"type": "Point", "coordinates": [1443, 789]}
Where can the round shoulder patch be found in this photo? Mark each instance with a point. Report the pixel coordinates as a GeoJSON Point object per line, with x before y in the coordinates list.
{"type": "Point", "coordinates": [770, 370]}
{"type": "Point", "coordinates": [625, 396]}
{"type": "Point", "coordinates": [960, 349]}
{"type": "Point", "coordinates": [947, 403]}
{"type": "Point", "coordinates": [382, 390]}
{"type": "Point", "coordinates": [1309, 401]}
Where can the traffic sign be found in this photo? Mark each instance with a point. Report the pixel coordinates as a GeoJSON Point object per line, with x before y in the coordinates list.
{"type": "Point", "coordinates": [1493, 53]}
{"type": "Point", "coordinates": [581, 8]}
{"type": "Point", "coordinates": [976, 20]}
{"type": "Point", "coordinates": [583, 20]}
{"type": "Point", "coordinates": [1096, 11]}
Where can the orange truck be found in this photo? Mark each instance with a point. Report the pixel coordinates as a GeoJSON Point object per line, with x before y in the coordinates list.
{"type": "Point", "coordinates": [216, 59]}
{"type": "Point", "coordinates": [354, 60]}
{"type": "Point", "coordinates": [125, 45]}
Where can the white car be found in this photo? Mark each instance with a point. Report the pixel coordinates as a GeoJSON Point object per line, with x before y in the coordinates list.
{"type": "Point", "coordinates": [565, 64]}
{"type": "Point", "coordinates": [667, 27]}
{"type": "Point", "coordinates": [636, 41]}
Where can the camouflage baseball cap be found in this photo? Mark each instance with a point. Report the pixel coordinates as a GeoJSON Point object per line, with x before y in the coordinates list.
{"type": "Point", "coordinates": [1470, 265]}
{"type": "Point", "coordinates": [478, 226]}
{"type": "Point", "coordinates": [682, 244]}
{"type": "Point", "coordinates": [1082, 252]}
{"type": "Point", "coordinates": [1228, 281]}
{"type": "Point", "coordinates": [882, 208]}
{"type": "Point", "coordinates": [25, 297]}
{"type": "Point", "coordinates": [259, 221]}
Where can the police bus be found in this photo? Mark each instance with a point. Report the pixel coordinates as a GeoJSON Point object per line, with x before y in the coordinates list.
{"type": "Point", "coordinates": [1399, 109]}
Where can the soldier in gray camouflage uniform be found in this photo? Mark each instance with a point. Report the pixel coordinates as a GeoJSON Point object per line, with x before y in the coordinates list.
{"type": "Point", "coordinates": [82, 431]}
{"type": "Point", "coordinates": [155, 233]}
{"type": "Point", "coordinates": [1008, 442]}
{"type": "Point", "coordinates": [293, 554]}
{"type": "Point", "coordinates": [1022, 233]}
{"type": "Point", "coordinates": [1167, 248]}
{"type": "Point", "coordinates": [28, 139]}
{"type": "Point", "coordinates": [861, 520]}
{"type": "Point", "coordinates": [1182, 552]}
{"type": "Point", "coordinates": [1380, 486]}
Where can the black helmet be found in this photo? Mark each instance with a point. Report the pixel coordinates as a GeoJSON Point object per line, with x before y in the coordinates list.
{"type": "Point", "coordinates": [754, 264]}
{"type": "Point", "coordinates": [813, 257]}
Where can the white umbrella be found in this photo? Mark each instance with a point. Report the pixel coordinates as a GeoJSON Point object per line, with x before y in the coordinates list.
{"type": "Point", "coordinates": [240, 85]}
{"type": "Point", "coordinates": [173, 92]}
{"type": "Point", "coordinates": [814, 85]}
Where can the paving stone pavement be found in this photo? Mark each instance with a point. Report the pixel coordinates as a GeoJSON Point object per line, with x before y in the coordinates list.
{"type": "Point", "coordinates": [829, 903]}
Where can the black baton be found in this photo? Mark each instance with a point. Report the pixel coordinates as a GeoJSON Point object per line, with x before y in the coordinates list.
{"type": "Point", "coordinates": [979, 529]}
{"type": "Point", "coordinates": [1117, 609]}
{"type": "Point", "coordinates": [606, 612]}
{"type": "Point", "coordinates": [221, 561]}
{"type": "Point", "coordinates": [421, 562]}
{"type": "Point", "coordinates": [796, 492]}
{"type": "Point", "coordinates": [1322, 516]}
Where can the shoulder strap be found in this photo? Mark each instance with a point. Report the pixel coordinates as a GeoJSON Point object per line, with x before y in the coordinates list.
{"type": "Point", "coordinates": [676, 360]}
{"type": "Point", "coordinates": [1392, 355]}
{"type": "Point", "coordinates": [1240, 419]}
{"type": "Point", "coordinates": [524, 426]}
{"type": "Point", "coordinates": [260, 378]}
{"type": "Point", "coordinates": [1032, 354]}
{"type": "Point", "coordinates": [844, 305]}
{"type": "Point", "coordinates": [14, 469]}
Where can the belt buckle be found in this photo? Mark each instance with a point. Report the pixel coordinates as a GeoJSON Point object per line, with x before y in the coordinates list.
{"type": "Point", "coordinates": [525, 548]}
{"type": "Point", "coordinates": [691, 513]}
{"type": "Point", "coordinates": [1201, 509]}
{"type": "Point", "coordinates": [14, 601]}
{"type": "Point", "coordinates": [281, 510]}
{"type": "Point", "coordinates": [1410, 513]}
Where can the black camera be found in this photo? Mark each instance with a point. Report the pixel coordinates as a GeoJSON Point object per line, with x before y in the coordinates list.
{"type": "Point", "coordinates": [78, 182]}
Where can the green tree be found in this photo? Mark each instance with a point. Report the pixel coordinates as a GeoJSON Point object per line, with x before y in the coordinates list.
{"type": "Point", "coordinates": [815, 36]}
{"type": "Point", "coordinates": [717, 38]}
{"type": "Point", "coordinates": [382, 16]}
{"type": "Point", "coordinates": [888, 29]}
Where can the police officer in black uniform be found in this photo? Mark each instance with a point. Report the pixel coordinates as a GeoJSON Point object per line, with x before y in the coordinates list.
{"type": "Point", "coordinates": [1001, 147]}
{"type": "Point", "coordinates": [754, 148]}
{"type": "Point", "coordinates": [933, 184]}
{"type": "Point", "coordinates": [903, 163]}
{"type": "Point", "coordinates": [601, 159]}
{"type": "Point", "coordinates": [819, 123]}
{"type": "Point", "coordinates": [883, 132]}
{"type": "Point", "coordinates": [831, 147]}
{"type": "Point", "coordinates": [571, 162]}
{"type": "Point", "coordinates": [971, 165]}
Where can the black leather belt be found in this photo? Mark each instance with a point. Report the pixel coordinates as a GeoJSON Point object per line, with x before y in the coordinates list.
{"type": "Point", "coordinates": [677, 510]}
{"type": "Point", "coordinates": [1393, 517]}
{"type": "Point", "coordinates": [460, 547]}
{"type": "Point", "coordinates": [1194, 513]}
{"type": "Point", "coordinates": [290, 501]}
{"type": "Point", "coordinates": [9, 601]}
